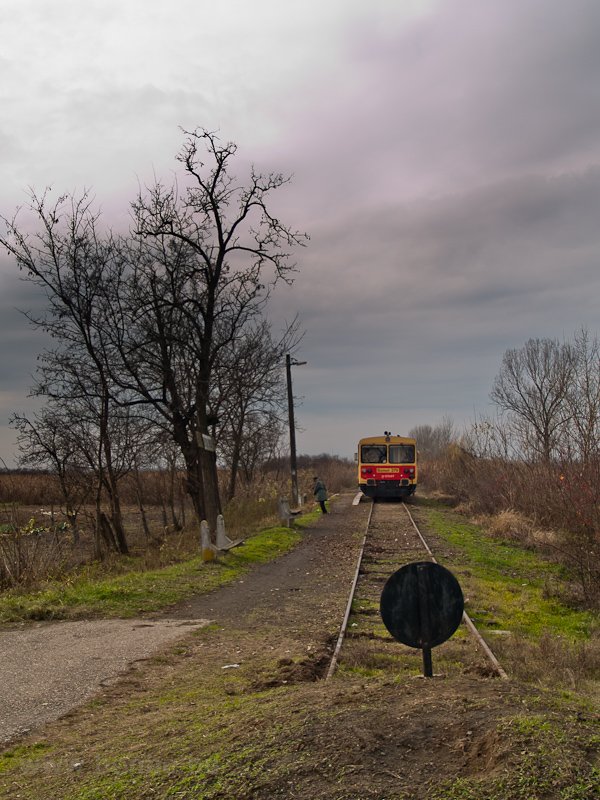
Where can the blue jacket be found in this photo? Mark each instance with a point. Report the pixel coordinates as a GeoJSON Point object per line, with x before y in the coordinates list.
{"type": "Point", "coordinates": [320, 492]}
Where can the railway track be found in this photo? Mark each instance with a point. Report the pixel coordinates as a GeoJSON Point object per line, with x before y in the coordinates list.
{"type": "Point", "coordinates": [392, 539]}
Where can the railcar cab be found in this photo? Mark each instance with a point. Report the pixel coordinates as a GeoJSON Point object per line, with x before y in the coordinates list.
{"type": "Point", "coordinates": [387, 466]}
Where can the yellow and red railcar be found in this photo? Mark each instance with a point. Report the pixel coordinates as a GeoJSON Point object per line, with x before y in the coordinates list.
{"type": "Point", "coordinates": [387, 466]}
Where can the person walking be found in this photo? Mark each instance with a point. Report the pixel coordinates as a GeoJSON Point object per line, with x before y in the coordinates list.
{"type": "Point", "coordinates": [320, 493]}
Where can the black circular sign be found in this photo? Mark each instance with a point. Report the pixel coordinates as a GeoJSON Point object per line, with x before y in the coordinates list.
{"type": "Point", "coordinates": [422, 604]}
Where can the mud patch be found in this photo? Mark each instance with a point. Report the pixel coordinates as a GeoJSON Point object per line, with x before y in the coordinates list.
{"type": "Point", "coordinates": [360, 740]}
{"type": "Point", "coordinates": [289, 671]}
{"type": "Point", "coordinates": [484, 753]}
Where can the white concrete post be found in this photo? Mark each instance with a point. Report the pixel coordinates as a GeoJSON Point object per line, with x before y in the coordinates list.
{"type": "Point", "coordinates": [207, 548]}
{"type": "Point", "coordinates": [223, 541]}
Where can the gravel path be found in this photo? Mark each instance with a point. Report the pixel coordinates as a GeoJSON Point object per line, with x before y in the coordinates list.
{"type": "Point", "coordinates": [49, 668]}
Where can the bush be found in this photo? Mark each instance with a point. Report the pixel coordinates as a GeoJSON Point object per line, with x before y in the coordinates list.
{"type": "Point", "coordinates": [519, 498]}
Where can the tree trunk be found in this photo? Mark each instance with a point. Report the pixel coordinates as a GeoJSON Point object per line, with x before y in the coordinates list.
{"type": "Point", "coordinates": [98, 552]}
{"type": "Point", "coordinates": [116, 515]}
{"type": "Point", "coordinates": [212, 500]}
{"type": "Point", "coordinates": [140, 500]}
{"type": "Point", "coordinates": [195, 483]}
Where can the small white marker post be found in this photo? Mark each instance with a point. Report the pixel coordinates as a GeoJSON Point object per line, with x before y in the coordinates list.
{"type": "Point", "coordinates": [207, 548]}
{"type": "Point", "coordinates": [223, 541]}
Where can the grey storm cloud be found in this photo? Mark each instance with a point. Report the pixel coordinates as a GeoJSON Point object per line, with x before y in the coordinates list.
{"type": "Point", "coordinates": [517, 236]}
{"type": "Point", "coordinates": [445, 162]}
{"type": "Point", "coordinates": [473, 92]}
{"type": "Point", "coordinates": [419, 319]}
{"type": "Point", "coordinates": [20, 342]}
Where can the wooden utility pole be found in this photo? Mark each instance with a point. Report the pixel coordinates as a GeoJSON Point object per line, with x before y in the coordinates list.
{"type": "Point", "coordinates": [290, 395]}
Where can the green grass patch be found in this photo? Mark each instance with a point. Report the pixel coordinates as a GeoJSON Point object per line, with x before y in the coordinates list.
{"type": "Point", "coordinates": [551, 763]}
{"type": "Point", "coordinates": [137, 591]}
{"type": "Point", "coordinates": [505, 585]}
{"type": "Point", "coordinates": [197, 732]}
{"type": "Point", "coordinates": [17, 756]}
{"type": "Point", "coordinates": [185, 749]}
{"type": "Point", "coordinates": [307, 519]}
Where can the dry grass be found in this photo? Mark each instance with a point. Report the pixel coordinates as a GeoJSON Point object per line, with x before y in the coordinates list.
{"type": "Point", "coordinates": [509, 525]}
{"type": "Point", "coordinates": [552, 661]}
{"type": "Point", "coordinates": [554, 507]}
{"type": "Point", "coordinates": [38, 543]}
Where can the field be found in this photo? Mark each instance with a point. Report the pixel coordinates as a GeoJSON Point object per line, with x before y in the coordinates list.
{"type": "Point", "coordinates": [41, 544]}
{"type": "Point", "coordinates": [240, 710]}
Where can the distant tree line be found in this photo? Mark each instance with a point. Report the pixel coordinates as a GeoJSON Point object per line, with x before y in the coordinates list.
{"type": "Point", "coordinates": [161, 354]}
{"type": "Point", "coordinates": [307, 462]}
{"type": "Point", "coordinates": [547, 399]}
{"type": "Point", "coordinates": [547, 395]}
{"type": "Point", "coordinates": [432, 441]}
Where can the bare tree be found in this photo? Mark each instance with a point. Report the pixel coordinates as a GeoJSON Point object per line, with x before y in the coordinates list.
{"type": "Point", "coordinates": [171, 491]}
{"type": "Point", "coordinates": [261, 442]}
{"type": "Point", "coordinates": [252, 396]}
{"type": "Point", "coordinates": [532, 387]}
{"type": "Point", "coordinates": [96, 427]}
{"type": "Point", "coordinates": [490, 438]}
{"type": "Point", "coordinates": [206, 259]}
{"type": "Point", "coordinates": [583, 400]}
{"type": "Point", "coordinates": [71, 263]}
{"type": "Point", "coordinates": [433, 441]}
{"type": "Point", "coordinates": [48, 441]}
{"type": "Point", "coordinates": [146, 322]}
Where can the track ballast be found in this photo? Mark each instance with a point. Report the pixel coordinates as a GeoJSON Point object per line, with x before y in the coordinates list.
{"type": "Point", "coordinates": [393, 539]}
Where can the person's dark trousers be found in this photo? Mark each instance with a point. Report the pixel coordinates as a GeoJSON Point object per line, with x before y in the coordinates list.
{"type": "Point", "coordinates": [322, 504]}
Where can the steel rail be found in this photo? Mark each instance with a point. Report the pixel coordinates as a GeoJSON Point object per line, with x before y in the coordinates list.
{"type": "Point", "coordinates": [466, 619]}
{"type": "Point", "coordinates": [344, 626]}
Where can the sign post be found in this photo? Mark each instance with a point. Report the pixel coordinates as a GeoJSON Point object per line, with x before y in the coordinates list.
{"type": "Point", "coordinates": [421, 606]}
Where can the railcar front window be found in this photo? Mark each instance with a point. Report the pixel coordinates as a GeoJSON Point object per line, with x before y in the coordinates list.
{"type": "Point", "coordinates": [402, 454]}
{"type": "Point", "coordinates": [373, 453]}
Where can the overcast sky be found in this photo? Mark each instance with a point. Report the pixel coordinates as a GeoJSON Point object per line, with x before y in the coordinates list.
{"type": "Point", "coordinates": [446, 162]}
